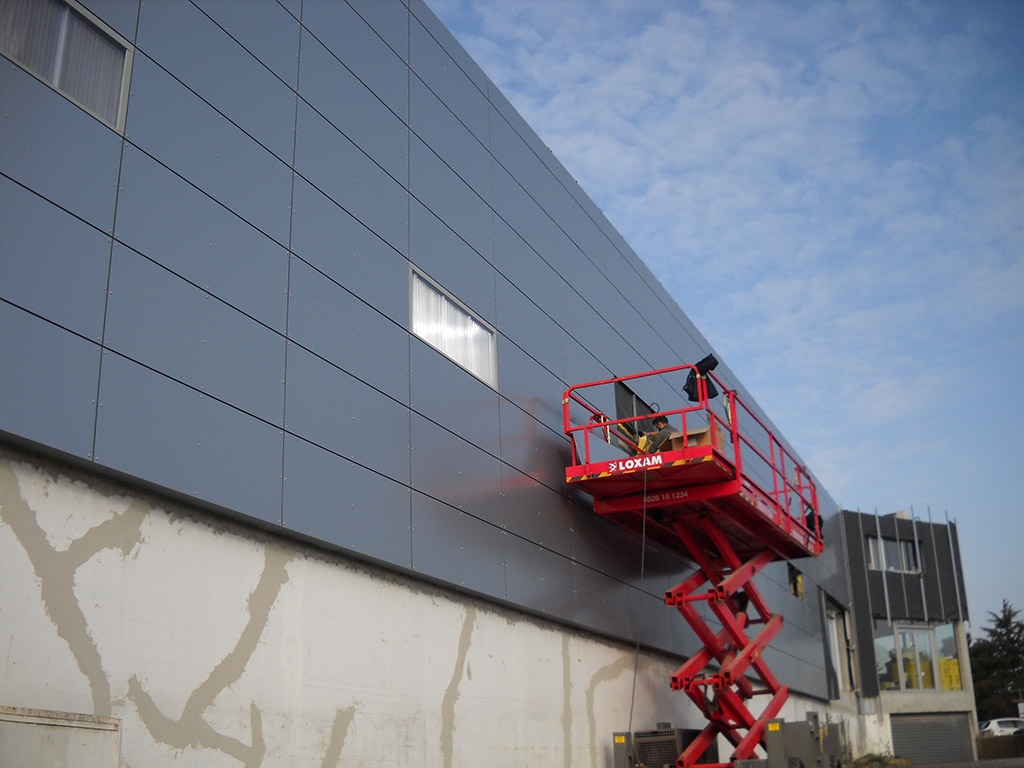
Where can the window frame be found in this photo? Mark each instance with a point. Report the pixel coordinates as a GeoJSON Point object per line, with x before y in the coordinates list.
{"type": "Point", "coordinates": [491, 377]}
{"type": "Point", "coordinates": [879, 550]}
{"type": "Point", "coordinates": [98, 27]}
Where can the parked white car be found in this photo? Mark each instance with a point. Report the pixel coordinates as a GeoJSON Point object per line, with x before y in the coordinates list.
{"type": "Point", "coordinates": [1001, 727]}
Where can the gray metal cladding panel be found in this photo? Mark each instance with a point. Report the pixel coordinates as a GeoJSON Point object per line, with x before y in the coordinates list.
{"type": "Point", "coordinates": [355, 110]}
{"type": "Point", "coordinates": [433, 26]}
{"type": "Point", "coordinates": [443, 75]}
{"type": "Point", "coordinates": [456, 547]}
{"type": "Point", "coordinates": [265, 29]}
{"type": "Point", "coordinates": [585, 324]}
{"type": "Point", "coordinates": [325, 318]}
{"type": "Point", "coordinates": [538, 579]}
{"type": "Point", "coordinates": [457, 268]}
{"type": "Point", "coordinates": [584, 277]}
{"type": "Point", "coordinates": [519, 160]}
{"type": "Point", "coordinates": [652, 620]}
{"type": "Point", "coordinates": [435, 125]}
{"type": "Point", "coordinates": [50, 262]}
{"type": "Point", "coordinates": [166, 433]}
{"type": "Point", "coordinates": [525, 269]}
{"type": "Point", "coordinates": [176, 127]}
{"type": "Point", "coordinates": [446, 393]}
{"type": "Point", "coordinates": [455, 472]}
{"type": "Point", "coordinates": [165, 323]}
{"type": "Point", "coordinates": [521, 212]}
{"type": "Point", "coordinates": [47, 382]}
{"type": "Point", "coordinates": [537, 513]}
{"type": "Point", "coordinates": [120, 15]}
{"type": "Point", "coordinates": [452, 200]}
{"type": "Point", "coordinates": [170, 221]}
{"type": "Point", "coordinates": [580, 366]}
{"type": "Point", "coordinates": [349, 253]}
{"type": "Point", "coordinates": [536, 393]}
{"type": "Point", "coordinates": [56, 149]}
{"type": "Point", "coordinates": [605, 547]}
{"type": "Point", "coordinates": [530, 447]}
{"type": "Point", "coordinates": [580, 228]}
{"type": "Point", "coordinates": [342, 171]}
{"type": "Point", "coordinates": [188, 44]}
{"type": "Point", "coordinates": [333, 500]}
{"type": "Point", "coordinates": [602, 603]}
{"type": "Point", "coordinates": [388, 19]}
{"type": "Point", "coordinates": [327, 406]}
{"type": "Point", "coordinates": [933, 738]}
{"type": "Point", "coordinates": [361, 50]}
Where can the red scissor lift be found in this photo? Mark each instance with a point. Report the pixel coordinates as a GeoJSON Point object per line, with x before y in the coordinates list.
{"type": "Point", "coordinates": [724, 492]}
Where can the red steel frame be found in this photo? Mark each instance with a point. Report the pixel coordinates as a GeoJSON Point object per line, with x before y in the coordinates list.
{"type": "Point", "coordinates": [696, 498]}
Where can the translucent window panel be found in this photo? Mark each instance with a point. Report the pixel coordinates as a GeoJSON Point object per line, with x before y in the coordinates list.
{"type": "Point", "coordinates": [893, 555]}
{"type": "Point", "coordinates": [908, 657]}
{"type": "Point", "coordinates": [948, 657]}
{"type": "Point", "coordinates": [66, 50]}
{"type": "Point", "coordinates": [886, 662]}
{"type": "Point", "coordinates": [449, 328]}
{"type": "Point", "coordinates": [909, 556]}
{"type": "Point", "coordinates": [925, 665]}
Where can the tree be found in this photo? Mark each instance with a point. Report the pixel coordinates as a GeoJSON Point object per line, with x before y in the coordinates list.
{"type": "Point", "coordinates": [997, 665]}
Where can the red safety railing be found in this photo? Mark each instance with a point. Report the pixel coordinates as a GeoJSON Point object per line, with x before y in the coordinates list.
{"type": "Point", "coordinates": [756, 453]}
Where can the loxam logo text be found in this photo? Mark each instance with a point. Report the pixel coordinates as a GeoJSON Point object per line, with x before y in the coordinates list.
{"type": "Point", "coordinates": [638, 463]}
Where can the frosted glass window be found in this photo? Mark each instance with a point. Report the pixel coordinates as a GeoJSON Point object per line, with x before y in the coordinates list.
{"type": "Point", "coordinates": [444, 324]}
{"type": "Point", "coordinates": [66, 50]}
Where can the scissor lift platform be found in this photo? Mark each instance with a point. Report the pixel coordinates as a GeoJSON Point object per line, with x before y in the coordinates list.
{"type": "Point", "coordinates": [730, 498]}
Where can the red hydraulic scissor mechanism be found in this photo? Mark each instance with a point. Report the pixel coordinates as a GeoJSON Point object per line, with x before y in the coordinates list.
{"type": "Point", "coordinates": [721, 490]}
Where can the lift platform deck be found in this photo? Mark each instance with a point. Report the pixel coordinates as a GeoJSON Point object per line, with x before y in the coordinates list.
{"type": "Point", "coordinates": [723, 491]}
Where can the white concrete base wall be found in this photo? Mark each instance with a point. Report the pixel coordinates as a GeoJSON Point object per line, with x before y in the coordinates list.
{"type": "Point", "coordinates": [217, 645]}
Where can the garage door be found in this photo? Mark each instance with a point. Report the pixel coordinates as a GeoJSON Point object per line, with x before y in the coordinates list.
{"type": "Point", "coordinates": [933, 738]}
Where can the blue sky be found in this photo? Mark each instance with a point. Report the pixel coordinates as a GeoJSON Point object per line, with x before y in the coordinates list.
{"type": "Point", "coordinates": [834, 193]}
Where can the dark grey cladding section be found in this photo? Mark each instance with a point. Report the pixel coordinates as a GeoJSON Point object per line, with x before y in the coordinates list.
{"type": "Point", "coordinates": [257, 223]}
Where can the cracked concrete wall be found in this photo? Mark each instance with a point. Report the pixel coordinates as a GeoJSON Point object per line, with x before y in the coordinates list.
{"type": "Point", "coordinates": [220, 645]}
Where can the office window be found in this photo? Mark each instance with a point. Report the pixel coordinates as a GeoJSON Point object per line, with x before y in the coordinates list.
{"type": "Point", "coordinates": [453, 330]}
{"type": "Point", "coordinates": [892, 555]}
{"type": "Point", "coordinates": [840, 648]}
{"type": "Point", "coordinates": [69, 52]}
{"type": "Point", "coordinates": [906, 658]}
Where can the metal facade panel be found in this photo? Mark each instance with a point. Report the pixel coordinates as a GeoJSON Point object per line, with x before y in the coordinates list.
{"type": "Point", "coordinates": [449, 198]}
{"type": "Point", "coordinates": [51, 263]}
{"type": "Point", "coordinates": [188, 44]}
{"type": "Point", "coordinates": [522, 213]}
{"type": "Point", "coordinates": [330, 161]}
{"type": "Point", "coordinates": [603, 603]}
{"type": "Point", "coordinates": [362, 52]}
{"type": "Point", "coordinates": [266, 30]}
{"type": "Point", "coordinates": [345, 505]}
{"type": "Point", "coordinates": [538, 579]}
{"type": "Point", "coordinates": [351, 107]}
{"type": "Point", "coordinates": [389, 20]}
{"type": "Point", "coordinates": [537, 513]}
{"type": "Point", "coordinates": [455, 472]}
{"type": "Point", "coordinates": [41, 139]}
{"type": "Point", "coordinates": [165, 323]}
{"type": "Point", "coordinates": [933, 738]}
{"type": "Point", "coordinates": [521, 162]}
{"type": "Point", "coordinates": [120, 15]}
{"type": "Point", "coordinates": [47, 383]}
{"type": "Point", "coordinates": [531, 422]}
{"type": "Point", "coordinates": [446, 393]}
{"type": "Point", "coordinates": [328, 407]}
{"type": "Point", "coordinates": [326, 319]}
{"type": "Point", "coordinates": [166, 433]}
{"type": "Point", "coordinates": [584, 324]}
{"type": "Point", "coordinates": [444, 257]}
{"type": "Point", "coordinates": [350, 253]}
{"type": "Point", "coordinates": [456, 547]}
{"type": "Point", "coordinates": [435, 66]}
{"type": "Point", "coordinates": [525, 270]}
{"type": "Point", "coordinates": [437, 127]}
{"type": "Point", "coordinates": [196, 141]}
{"type": "Point", "coordinates": [164, 217]}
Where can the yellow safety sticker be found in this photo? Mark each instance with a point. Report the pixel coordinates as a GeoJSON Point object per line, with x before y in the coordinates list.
{"type": "Point", "coordinates": [774, 726]}
{"type": "Point", "coordinates": [620, 739]}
